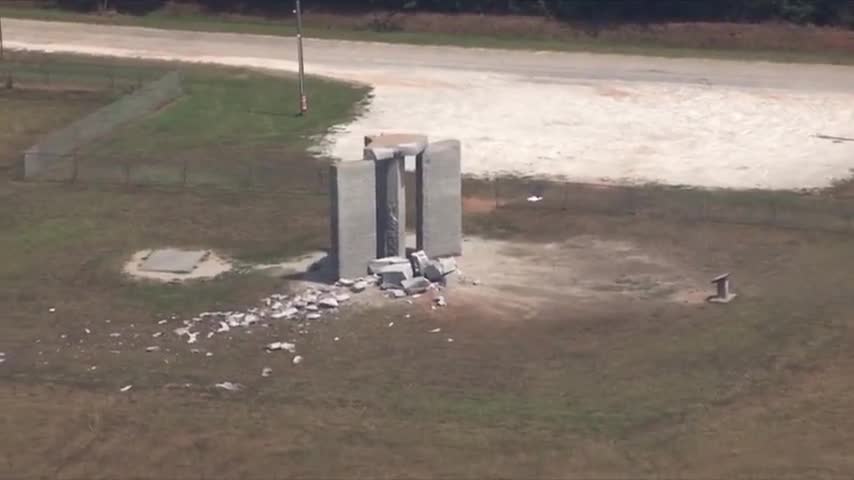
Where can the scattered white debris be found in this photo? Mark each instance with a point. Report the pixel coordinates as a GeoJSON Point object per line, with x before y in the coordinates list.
{"type": "Point", "coordinates": [231, 387]}
{"type": "Point", "coordinates": [93, 368]}
{"type": "Point", "coordinates": [390, 324]}
{"type": "Point", "coordinates": [535, 198]}
{"type": "Point", "coordinates": [346, 282]}
{"type": "Point", "coordinates": [192, 337]}
{"type": "Point", "coordinates": [475, 282]}
{"type": "Point", "coordinates": [162, 322]}
{"type": "Point", "coordinates": [407, 316]}
{"type": "Point", "coordinates": [416, 285]}
{"type": "Point", "coordinates": [396, 293]}
{"type": "Point", "coordinates": [266, 372]}
{"type": "Point", "coordinates": [359, 286]}
{"type": "Point", "coordinates": [115, 334]}
{"type": "Point", "coordinates": [125, 388]}
{"type": "Point", "coordinates": [297, 360]}
{"type": "Point", "coordinates": [156, 334]}
{"type": "Point", "coordinates": [52, 310]}
{"type": "Point", "coordinates": [209, 354]}
{"type": "Point", "coordinates": [181, 331]}
{"type": "Point", "coordinates": [450, 340]}
{"type": "Point", "coordinates": [336, 339]}
{"type": "Point", "coordinates": [87, 331]}
{"type": "Point", "coordinates": [223, 327]}
{"type": "Point", "coordinates": [312, 316]}
{"type": "Point", "coordinates": [288, 347]}
{"type": "Point", "coordinates": [63, 336]}
{"type": "Point", "coordinates": [440, 301]}
{"type": "Point", "coordinates": [328, 302]}
{"type": "Point", "coordinates": [436, 330]}
{"type": "Point", "coordinates": [342, 297]}
{"type": "Point", "coordinates": [153, 348]}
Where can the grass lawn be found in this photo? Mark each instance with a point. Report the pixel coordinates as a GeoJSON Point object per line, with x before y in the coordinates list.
{"type": "Point", "coordinates": [576, 389]}
{"type": "Point", "coordinates": [787, 51]}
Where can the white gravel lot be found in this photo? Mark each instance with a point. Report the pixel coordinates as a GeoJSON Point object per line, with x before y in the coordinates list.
{"type": "Point", "coordinates": [579, 117]}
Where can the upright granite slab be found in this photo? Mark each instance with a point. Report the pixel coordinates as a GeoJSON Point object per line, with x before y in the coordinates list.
{"type": "Point", "coordinates": [439, 199]}
{"type": "Point", "coordinates": [353, 217]}
{"type": "Point", "coordinates": [391, 207]}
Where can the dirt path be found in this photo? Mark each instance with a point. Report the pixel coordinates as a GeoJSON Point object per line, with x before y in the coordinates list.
{"type": "Point", "coordinates": [584, 117]}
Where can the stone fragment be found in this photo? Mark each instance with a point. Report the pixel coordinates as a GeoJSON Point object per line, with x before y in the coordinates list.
{"type": "Point", "coordinates": [328, 302]}
{"type": "Point", "coordinates": [416, 285]}
{"type": "Point", "coordinates": [419, 261]}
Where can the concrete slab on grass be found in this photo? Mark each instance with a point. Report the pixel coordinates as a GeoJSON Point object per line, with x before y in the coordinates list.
{"type": "Point", "coordinates": [171, 260]}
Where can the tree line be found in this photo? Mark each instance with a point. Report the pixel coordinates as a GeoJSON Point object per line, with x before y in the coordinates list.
{"type": "Point", "coordinates": [818, 12]}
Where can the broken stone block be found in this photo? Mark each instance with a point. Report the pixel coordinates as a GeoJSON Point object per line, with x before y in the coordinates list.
{"type": "Point", "coordinates": [397, 293]}
{"type": "Point", "coordinates": [395, 275]}
{"type": "Point", "coordinates": [359, 286]}
{"type": "Point", "coordinates": [433, 272]}
{"type": "Point", "coordinates": [378, 265]}
{"type": "Point", "coordinates": [328, 302]}
{"type": "Point", "coordinates": [419, 260]}
{"type": "Point", "coordinates": [447, 265]}
{"type": "Point", "coordinates": [416, 285]}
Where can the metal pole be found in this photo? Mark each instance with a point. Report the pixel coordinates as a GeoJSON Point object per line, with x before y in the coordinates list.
{"type": "Point", "coordinates": [1, 38]}
{"type": "Point", "coordinates": [303, 100]}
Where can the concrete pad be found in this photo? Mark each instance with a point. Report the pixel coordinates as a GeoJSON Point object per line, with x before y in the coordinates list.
{"type": "Point", "coordinates": [171, 260]}
{"type": "Point", "coordinates": [439, 195]}
{"type": "Point", "coordinates": [353, 217]}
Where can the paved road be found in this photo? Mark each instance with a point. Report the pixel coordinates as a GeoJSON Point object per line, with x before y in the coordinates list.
{"type": "Point", "coordinates": [584, 117]}
{"type": "Point", "coordinates": [346, 56]}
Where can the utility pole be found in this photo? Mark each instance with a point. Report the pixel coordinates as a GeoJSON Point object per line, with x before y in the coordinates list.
{"type": "Point", "coordinates": [303, 100]}
{"type": "Point", "coordinates": [1, 38]}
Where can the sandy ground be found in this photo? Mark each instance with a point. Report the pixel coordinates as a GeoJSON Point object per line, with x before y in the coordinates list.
{"type": "Point", "coordinates": [580, 117]}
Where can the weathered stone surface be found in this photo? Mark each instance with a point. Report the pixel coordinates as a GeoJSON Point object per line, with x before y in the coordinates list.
{"type": "Point", "coordinates": [408, 144]}
{"type": "Point", "coordinates": [377, 265]}
{"type": "Point", "coordinates": [171, 260]}
{"type": "Point", "coordinates": [419, 261]}
{"type": "Point", "coordinates": [439, 199]}
{"type": "Point", "coordinates": [390, 207]}
{"type": "Point", "coordinates": [353, 217]}
{"type": "Point", "coordinates": [393, 275]}
{"type": "Point", "coordinates": [416, 285]}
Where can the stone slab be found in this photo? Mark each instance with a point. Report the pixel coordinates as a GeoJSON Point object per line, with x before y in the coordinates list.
{"type": "Point", "coordinates": [390, 207]}
{"type": "Point", "coordinates": [171, 260]}
{"type": "Point", "coordinates": [408, 144]}
{"type": "Point", "coordinates": [416, 285]}
{"type": "Point", "coordinates": [353, 217]}
{"type": "Point", "coordinates": [439, 211]}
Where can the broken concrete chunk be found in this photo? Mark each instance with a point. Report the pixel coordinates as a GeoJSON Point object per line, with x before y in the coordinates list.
{"type": "Point", "coordinates": [397, 293]}
{"type": "Point", "coordinates": [440, 301]}
{"type": "Point", "coordinates": [433, 272]}
{"type": "Point", "coordinates": [419, 261]}
{"type": "Point", "coordinates": [297, 360]}
{"type": "Point", "coordinates": [231, 387]}
{"type": "Point", "coordinates": [396, 274]}
{"type": "Point", "coordinates": [153, 348]}
{"type": "Point", "coordinates": [378, 265]}
{"type": "Point", "coordinates": [312, 316]}
{"type": "Point", "coordinates": [447, 265]}
{"type": "Point", "coordinates": [342, 297]}
{"type": "Point", "coordinates": [328, 302]}
{"type": "Point", "coordinates": [286, 313]}
{"type": "Point", "coordinates": [125, 388]}
{"type": "Point", "coordinates": [266, 371]}
{"type": "Point", "coordinates": [288, 347]}
{"type": "Point", "coordinates": [345, 282]}
{"type": "Point", "coordinates": [359, 286]}
{"type": "Point", "coordinates": [416, 285]}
